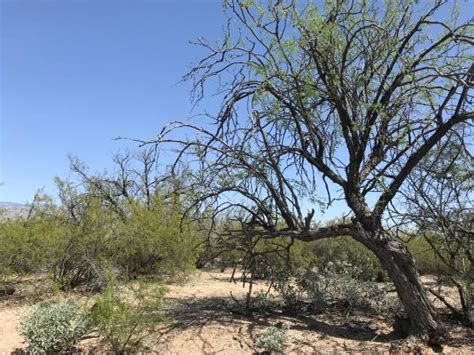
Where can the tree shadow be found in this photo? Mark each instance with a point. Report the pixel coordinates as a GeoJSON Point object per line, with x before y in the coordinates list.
{"type": "Point", "coordinates": [361, 331]}
{"type": "Point", "coordinates": [197, 312]}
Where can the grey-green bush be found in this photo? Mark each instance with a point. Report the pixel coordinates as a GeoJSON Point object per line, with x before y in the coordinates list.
{"type": "Point", "coordinates": [338, 283]}
{"type": "Point", "coordinates": [274, 338]}
{"type": "Point", "coordinates": [54, 327]}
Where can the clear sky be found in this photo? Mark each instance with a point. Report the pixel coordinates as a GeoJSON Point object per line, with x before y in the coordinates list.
{"type": "Point", "coordinates": [75, 74]}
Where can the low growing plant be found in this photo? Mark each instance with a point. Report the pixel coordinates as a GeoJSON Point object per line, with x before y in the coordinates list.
{"type": "Point", "coordinates": [274, 338]}
{"type": "Point", "coordinates": [314, 290]}
{"type": "Point", "coordinates": [54, 327]}
{"type": "Point", "coordinates": [302, 289]}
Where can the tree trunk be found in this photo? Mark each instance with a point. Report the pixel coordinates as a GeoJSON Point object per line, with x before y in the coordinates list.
{"type": "Point", "coordinates": [400, 265]}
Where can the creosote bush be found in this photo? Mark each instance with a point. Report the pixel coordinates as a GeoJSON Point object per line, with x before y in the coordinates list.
{"type": "Point", "coordinates": [153, 241]}
{"type": "Point", "coordinates": [427, 261]}
{"type": "Point", "coordinates": [124, 318]}
{"type": "Point", "coordinates": [76, 241]}
{"type": "Point", "coordinates": [24, 240]}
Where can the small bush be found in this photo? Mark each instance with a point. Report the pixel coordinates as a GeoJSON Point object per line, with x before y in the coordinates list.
{"type": "Point", "coordinates": [366, 295]}
{"type": "Point", "coordinates": [124, 319]}
{"type": "Point", "coordinates": [311, 290]}
{"type": "Point", "coordinates": [54, 327]}
{"type": "Point", "coordinates": [315, 287]}
{"type": "Point", "coordinates": [303, 289]}
{"type": "Point", "coordinates": [289, 289]}
{"type": "Point", "coordinates": [263, 302]}
{"type": "Point", "coordinates": [274, 338]}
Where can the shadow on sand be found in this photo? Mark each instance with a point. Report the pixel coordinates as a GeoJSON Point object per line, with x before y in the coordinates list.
{"type": "Point", "coordinates": [197, 312]}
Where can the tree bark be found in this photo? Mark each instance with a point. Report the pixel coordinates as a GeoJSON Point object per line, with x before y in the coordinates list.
{"type": "Point", "coordinates": [400, 266]}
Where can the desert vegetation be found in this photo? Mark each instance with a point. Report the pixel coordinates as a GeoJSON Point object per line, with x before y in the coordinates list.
{"type": "Point", "coordinates": [363, 103]}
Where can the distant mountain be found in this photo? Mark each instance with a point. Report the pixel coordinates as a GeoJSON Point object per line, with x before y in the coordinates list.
{"type": "Point", "coordinates": [12, 209]}
{"type": "Point", "coordinates": [11, 205]}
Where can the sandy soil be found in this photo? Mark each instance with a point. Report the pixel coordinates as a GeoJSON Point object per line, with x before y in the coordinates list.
{"type": "Point", "coordinates": [10, 317]}
{"type": "Point", "coordinates": [206, 320]}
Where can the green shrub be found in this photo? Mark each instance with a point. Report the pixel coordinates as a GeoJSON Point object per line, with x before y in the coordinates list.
{"type": "Point", "coordinates": [365, 295]}
{"type": "Point", "coordinates": [152, 241]}
{"type": "Point", "coordinates": [54, 327]}
{"type": "Point", "coordinates": [25, 240]}
{"type": "Point", "coordinates": [348, 251]}
{"type": "Point", "coordinates": [124, 318]}
{"type": "Point", "coordinates": [76, 241]}
{"type": "Point", "coordinates": [315, 286]}
{"type": "Point", "coordinates": [264, 301]}
{"type": "Point", "coordinates": [274, 338]}
{"type": "Point", "coordinates": [427, 262]}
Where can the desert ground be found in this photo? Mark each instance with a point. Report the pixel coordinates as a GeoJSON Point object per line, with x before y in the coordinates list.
{"type": "Point", "coordinates": [204, 318]}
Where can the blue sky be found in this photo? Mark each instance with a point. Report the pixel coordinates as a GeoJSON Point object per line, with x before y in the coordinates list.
{"type": "Point", "coordinates": [76, 74]}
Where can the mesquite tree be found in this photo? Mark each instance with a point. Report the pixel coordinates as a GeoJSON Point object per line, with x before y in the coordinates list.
{"type": "Point", "coordinates": [343, 99]}
{"type": "Point", "coordinates": [436, 204]}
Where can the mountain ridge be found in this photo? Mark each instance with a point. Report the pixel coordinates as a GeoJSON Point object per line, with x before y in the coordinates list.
{"type": "Point", "coordinates": [11, 205]}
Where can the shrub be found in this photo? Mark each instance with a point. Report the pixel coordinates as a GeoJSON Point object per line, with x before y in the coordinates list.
{"type": "Point", "coordinates": [427, 262]}
{"type": "Point", "coordinates": [301, 289]}
{"type": "Point", "coordinates": [290, 291]}
{"type": "Point", "coordinates": [338, 283]}
{"type": "Point", "coordinates": [274, 338]}
{"type": "Point", "coordinates": [152, 241]}
{"type": "Point", "coordinates": [54, 327]}
{"type": "Point", "coordinates": [263, 302]}
{"type": "Point", "coordinates": [366, 295]}
{"type": "Point", "coordinates": [77, 258]}
{"type": "Point", "coordinates": [123, 319]}
{"type": "Point", "coordinates": [25, 240]}
{"type": "Point", "coordinates": [348, 251]}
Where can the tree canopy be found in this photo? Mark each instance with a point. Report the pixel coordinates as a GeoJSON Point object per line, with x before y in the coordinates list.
{"type": "Point", "coordinates": [345, 99]}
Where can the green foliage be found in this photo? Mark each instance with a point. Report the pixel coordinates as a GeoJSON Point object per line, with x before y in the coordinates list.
{"type": "Point", "coordinates": [54, 327]}
{"type": "Point", "coordinates": [16, 253]}
{"type": "Point", "coordinates": [23, 239]}
{"type": "Point", "coordinates": [347, 250]}
{"type": "Point", "coordinates": [263, 302]}
{"type": "Point", "coordinates": [344, 286]}
{"type": "Point", "coordinates": [124, 318]}
{"type": "Point", "coordinates": [152, 241]}
{"type": "Point", "coordinates": [79, 256]}
{"type": "Point", "coordinates": [274, 338]}
{"type": "Point", "coordinates": [273, 255]}
{"type": "Point", "coordinates": [79, 239]}
{"type": "Point", "coordinates": [283, 253]}
{"type": "Point", "coordinates": [267, 255]}
{"type": "Point", "coordinates": [427, 262]}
